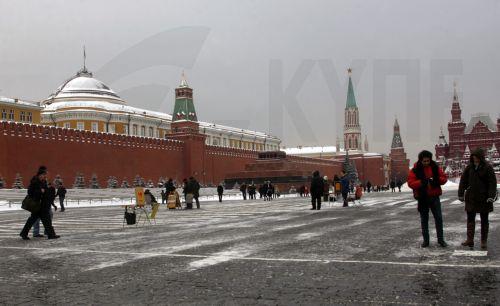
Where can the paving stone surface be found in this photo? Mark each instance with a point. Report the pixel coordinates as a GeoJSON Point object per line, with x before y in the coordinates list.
{"type": "Point", "coordinates": [251, 252]}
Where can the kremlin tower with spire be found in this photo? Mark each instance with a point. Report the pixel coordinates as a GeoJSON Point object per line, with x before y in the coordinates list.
{"type": "Point", "coordinates": [481, 132]}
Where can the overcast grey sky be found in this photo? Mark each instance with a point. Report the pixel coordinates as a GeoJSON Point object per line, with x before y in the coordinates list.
{"type": "Point", "coordinates": [240, 58]}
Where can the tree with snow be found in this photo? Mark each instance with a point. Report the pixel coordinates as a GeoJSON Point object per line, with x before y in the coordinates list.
{"type": "Point", "coordinates": [18, 182]}
{"type": "Point", "coordinates": [112, 182]}
{"type": "Point", "coordinates": [79, 181]}
{"type": "Point", "coordinates": [94, 183]}
{"type": "Point", "coordinates": [125, 183]}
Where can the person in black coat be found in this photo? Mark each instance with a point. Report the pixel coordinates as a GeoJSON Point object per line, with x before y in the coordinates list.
{"type": "Point", "coordinates": [37, 190]}
{"type": "Point", "coordinates": [195, 185]}
{"type": "Point", "coordinates": [317, 185]}
{"type": "Point", "coordinates": [220, 191]}
{"type": "Point", "coordinates": [61, 193]}
{"type": "Point", "coordinates": [169, 187]}
{"type": "Point", "coordinates": [478, 189]}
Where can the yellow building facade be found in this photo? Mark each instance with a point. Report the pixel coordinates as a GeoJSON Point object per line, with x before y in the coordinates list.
{"type": "Point", "coordinates": [19, 111]}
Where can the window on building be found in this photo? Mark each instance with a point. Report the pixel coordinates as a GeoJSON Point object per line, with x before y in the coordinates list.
{"type": "Point", "coordinates": [30, 117]}
{"type": "Point", "coordinates": [134, 130]}
{"type": "Point", "coordinates": [143, 130]}
{"type": "Point", "coordinates": [67, 125]}
{"type": "Point", "coordinates": [11, 114]}
{"type": "Point", "coordinates": [207, 141]}
{"type": "Point", "coordinates": [111, 128]}
{"type": "Point", "coordinates": [224, 142]}
{"type": "Point", "coordinates": [215, 142]}
{"type": "Point", "coordinates": [22, 116]}
{"type": "Point", "coordinates": [125, 129]}
{"type": "Point", "coordinates": [80, 125]}
{"type": "Point", "coordinates": [151, 132]}
{"type": "Point", "coordinates": [4, 114]}
{"type": "Point", "coordinates": [157, 133]}
{"type": "Point", "coordinates": [95, 127]}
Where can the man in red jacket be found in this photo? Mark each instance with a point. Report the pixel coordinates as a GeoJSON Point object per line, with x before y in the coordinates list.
{"type": "Point", "coordinates": [426, 179]}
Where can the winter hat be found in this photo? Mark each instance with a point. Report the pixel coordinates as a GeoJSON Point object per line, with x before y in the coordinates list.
{"type": "Point", "coordinates": [42, 170]}
{"type": "Point", "coordinates": [325, 177]}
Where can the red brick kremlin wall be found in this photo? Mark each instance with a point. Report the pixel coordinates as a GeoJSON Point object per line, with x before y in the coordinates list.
{"type": "Point", "coordinates": [66, 152]}
{"type": "Point", "coordinates": [24, 147]}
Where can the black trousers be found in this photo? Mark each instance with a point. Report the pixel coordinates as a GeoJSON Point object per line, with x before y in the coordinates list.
{"type": "Point", "coordinates": [197, 202]}
{"type": "Point", "coordinates": [316, 201]}
{"type": "Point", "coordinates": [61, 203]}
{"type": "Point", "coordinates": [44, 215]}
{"type": "Point", "coordinates": [434, 205]}
{"type": "Point", "coordinates": [344, 197]}
{"type": "Point", "coordinates": [220, 197]}
{"type": "Point", "coordinates": [485, 224]}
{"type": "Point", "coordinates": [244, 195]}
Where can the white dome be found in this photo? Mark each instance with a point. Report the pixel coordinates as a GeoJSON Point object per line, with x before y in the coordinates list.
{"type": "Point", "coordinates": [84, 85]}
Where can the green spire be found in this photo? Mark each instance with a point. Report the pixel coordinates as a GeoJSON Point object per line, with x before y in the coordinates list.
{"type": "Point", "coordinates": [184, 106]}
{"type": "Point", "coordinates": [351, 100]}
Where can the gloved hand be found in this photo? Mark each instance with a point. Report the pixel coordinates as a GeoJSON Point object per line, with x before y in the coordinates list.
{"type": "Point", "coordinates": [433, 182]}
{"type": "Point", "coordinates": [461, 199]}
{"type": "Point", "coordinates": [424, 182]}
{"type": "Point", "coordinates": [490, 200]}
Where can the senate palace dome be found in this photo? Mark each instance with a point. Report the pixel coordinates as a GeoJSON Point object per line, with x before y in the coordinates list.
{"type": "Point", "coordinates": [85, 103]}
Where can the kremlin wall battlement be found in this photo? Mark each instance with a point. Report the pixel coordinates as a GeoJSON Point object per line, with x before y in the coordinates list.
{"type": "Point", "coordinates": [66, 152]}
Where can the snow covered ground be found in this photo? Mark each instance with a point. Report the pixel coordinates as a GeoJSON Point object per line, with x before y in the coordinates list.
{"type": "Point", "coordinates": [10, 199]}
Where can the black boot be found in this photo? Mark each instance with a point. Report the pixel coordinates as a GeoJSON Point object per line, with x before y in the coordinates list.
{"type": "Point", "coordinates": [484, 236]}
{"type": "Point", "coordinates": [470, 235]}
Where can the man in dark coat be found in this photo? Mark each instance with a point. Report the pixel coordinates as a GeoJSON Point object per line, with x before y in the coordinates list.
{"type": "Point", "coordinates": [478, 188]}
{"type": "Point", "coordinates": [426, 179]}
{"type": "Point", "coordinates": [243, 189]}
{"type": "Point", "coordinates": [37, 191]}
{"type": "Point", "coordinates": [220, 191]}
{"type": "Point", "coordinates": [344, 187]}
{"type": "Point", "coordinates": [169, 187]}
{"type": "Point", "coordinates": [369, 186]}
{"type": "Point", "coordinates": [399, 183]}
{"type": "Point", "coordinates": [196, 191]}
{"type": "Point", "coordinates": [51, 196]}
{"type": "Point", "coordinates": [393, 186]}
{"type": "Point", "coordinates": [317, 185]}
{"type": "Point", "coordinates": [61, 193]}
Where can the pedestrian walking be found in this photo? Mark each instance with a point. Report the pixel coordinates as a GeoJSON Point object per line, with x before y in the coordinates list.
{"type": "Point", "coordinates": [37, 191]}
{"type": "Point", "coordinates": [326, 189]}
{"type": "Point", "coordinates": [243, 189]}
{"type": "Point", "coordinates": [426, 178]}
{"type": "Point", "coordinates": [61, 193]}
{"type": "Point", "coordinates": [220, 191]}
{"type": "Point", "coordinates": [252, 191]}
{"type": "Point", "coordinates": [196, 191]}
{"type": "Point", "coordinates": [51, 196]}
{"type": "Point", "coordinates": [393, 186]}
{"type": "Point", "coordinates": [399, 183]}
{"type": "Point", "coordinates": [344, 187]}
{"type": "Point", "coordinates": [478, 188]}
{"type": "Point", "coordinates": [317, 185]}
